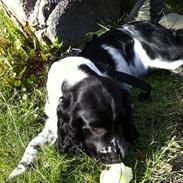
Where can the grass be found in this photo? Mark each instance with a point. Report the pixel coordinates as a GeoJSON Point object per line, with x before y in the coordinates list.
{"type": "Point", "coordinates": [20, 120]}
{"type": "Point", "coordinates": [159, 120]}
{"type": "Point", "coordinates": [156, 158]}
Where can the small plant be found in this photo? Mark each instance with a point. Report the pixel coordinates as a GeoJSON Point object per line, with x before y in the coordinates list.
{"type": "Point", "coordinates": [23, 60]}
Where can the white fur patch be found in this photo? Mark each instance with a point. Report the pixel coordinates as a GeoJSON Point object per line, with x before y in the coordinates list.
{"type": "Point", "coordinates": [66, 69]}
{"type": "Point", "coordinates": [142, 58]}
{"type": "Point", "coordinates": [120, 62]}
{"type": "Point", "coordinates": [122, 65]}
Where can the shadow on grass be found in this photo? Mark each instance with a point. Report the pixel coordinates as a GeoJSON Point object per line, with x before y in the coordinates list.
{"type": "Point", "coordinates": [160, 123]}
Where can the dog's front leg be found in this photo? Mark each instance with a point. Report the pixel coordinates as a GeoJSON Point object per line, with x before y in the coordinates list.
{"type": "Point", "coordinates": [47, 136]}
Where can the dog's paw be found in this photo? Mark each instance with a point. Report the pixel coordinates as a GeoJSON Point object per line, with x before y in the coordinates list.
{"type": "Point", "coordinates": [21, 168]}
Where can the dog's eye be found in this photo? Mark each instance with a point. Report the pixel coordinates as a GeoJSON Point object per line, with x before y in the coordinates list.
{"type": "Point", "coordinates": [99, 131]}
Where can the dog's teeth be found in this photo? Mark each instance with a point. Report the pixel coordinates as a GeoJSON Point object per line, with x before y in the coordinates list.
{"type": "Point", "coordinates": [104, 150]}
{"type": "Point", "coordinates": [109, 149]}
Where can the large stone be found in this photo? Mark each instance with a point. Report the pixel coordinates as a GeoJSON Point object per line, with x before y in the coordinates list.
{"type": "Point", "coordinates": [156, 11]}
{"type": "Point", "coordinates": [69, 20]}
{"type": "Point", "coordinates": [172, 21]}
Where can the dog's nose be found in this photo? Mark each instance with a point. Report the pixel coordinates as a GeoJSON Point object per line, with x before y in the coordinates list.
{"type": "Point", "coordinates": [114, 153]}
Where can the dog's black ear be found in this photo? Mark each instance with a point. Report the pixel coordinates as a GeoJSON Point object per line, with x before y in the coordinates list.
{"type": "Point", "coordinates": [66, 136]}
{"type": "Point", "coordinates": [65, 140]}
{"type": "Point", "coordinates": [70, 138]}
{"type": "Point", "coordinates": [69, 127]}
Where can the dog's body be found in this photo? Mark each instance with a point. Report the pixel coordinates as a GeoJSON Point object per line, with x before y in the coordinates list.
{"type": "Point", "coordinates": [87, 104]}
{"type": "Point", "coordinates": [135, 48]}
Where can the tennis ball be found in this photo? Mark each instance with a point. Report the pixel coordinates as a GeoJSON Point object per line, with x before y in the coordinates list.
{"type": "Point", "coordinates": [117, 173]}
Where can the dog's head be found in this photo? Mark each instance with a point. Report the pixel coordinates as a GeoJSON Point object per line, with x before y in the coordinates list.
{"type": "Point", "coordinates": [95, 116]}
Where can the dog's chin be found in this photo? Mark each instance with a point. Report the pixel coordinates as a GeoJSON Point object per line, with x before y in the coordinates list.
{"type": "Point", "coordinates": [109, 158]}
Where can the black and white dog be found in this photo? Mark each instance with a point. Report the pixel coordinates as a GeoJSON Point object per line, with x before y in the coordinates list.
{"type": "Point", "coordinates": [89, 110]}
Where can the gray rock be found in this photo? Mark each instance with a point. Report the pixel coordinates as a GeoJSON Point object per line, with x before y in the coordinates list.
{"type": "Point", "coordinates": [69, 20]}
{"type": "Point", "coordinates": [172, 21]}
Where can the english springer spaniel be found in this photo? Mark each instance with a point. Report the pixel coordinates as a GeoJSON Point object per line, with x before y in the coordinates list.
{"type": "Point", "coordinates": [89, 110]}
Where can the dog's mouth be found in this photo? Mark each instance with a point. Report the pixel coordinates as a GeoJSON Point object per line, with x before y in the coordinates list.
{"type": "Point", "coordinates": [115, 152]}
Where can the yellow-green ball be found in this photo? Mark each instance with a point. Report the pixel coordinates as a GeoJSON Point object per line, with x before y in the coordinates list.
{"type": "Point", "coordinates": [118, 173]}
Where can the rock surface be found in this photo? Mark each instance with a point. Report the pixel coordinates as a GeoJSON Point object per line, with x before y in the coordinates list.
{"type": "Point", "coordinates": [172, 21]}
{"type": "Point", "coordinates": [69, 20]}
